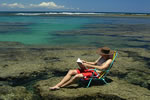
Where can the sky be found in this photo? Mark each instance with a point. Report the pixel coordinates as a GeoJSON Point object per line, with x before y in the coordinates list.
{"type": "Point", "coordinates": [136, 6]}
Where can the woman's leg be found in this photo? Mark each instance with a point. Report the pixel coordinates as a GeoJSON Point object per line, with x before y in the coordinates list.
{"type": "Point", "coordinates": [76, 77]}
{"type": "Point", "coordinates": [65, 79]}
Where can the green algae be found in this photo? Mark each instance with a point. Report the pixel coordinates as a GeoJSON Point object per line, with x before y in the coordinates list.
{"type": "Point", "coordinates": [35, 68]}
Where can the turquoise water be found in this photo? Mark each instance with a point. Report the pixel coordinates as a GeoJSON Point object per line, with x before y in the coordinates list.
{"type": "Point", "coordinates": [76, 30]}
{"type": "Point", "coordinates": [36, 29]}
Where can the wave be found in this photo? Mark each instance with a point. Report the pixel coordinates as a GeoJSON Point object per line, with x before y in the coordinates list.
{"type": "Point", "coordinates": [58, 13]}
{"type": "Point", "coordinates": [70, 13]}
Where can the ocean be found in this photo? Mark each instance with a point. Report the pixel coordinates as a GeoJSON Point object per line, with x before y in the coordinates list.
{"type": "Point", "coordinates": [38, 48]}
{"type": "Point", "coordinates": [76, 28]}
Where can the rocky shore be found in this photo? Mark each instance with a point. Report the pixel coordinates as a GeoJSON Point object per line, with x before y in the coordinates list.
{"type": "Point", "coordinates": [26, 72]}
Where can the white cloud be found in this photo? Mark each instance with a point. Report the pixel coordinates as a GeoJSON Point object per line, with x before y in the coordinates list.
{"type": "Point", "coordinates": [50, 5]}
{"type": "Point", "coordinates": [13, 5]}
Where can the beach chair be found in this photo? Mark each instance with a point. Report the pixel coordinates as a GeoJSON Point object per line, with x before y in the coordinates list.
{"type": "Point", "coordinates": [104, 73]}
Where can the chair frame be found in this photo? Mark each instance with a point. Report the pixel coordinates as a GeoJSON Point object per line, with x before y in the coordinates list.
{"type": "Point", "coordinates": [104, 73]}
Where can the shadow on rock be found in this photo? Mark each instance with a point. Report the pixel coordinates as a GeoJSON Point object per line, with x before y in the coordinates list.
{"type": "Point", "coordinates": [84, 83]}
{"type": "Point", "coordinates": [52, 59]}
{"type": "Point", "coordinates": [58, 73]}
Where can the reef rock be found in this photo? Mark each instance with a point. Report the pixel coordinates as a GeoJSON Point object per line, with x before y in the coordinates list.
{"type": "Point", "coordinates": [115, 90]}
{"type": "Point", "coordinates": [15, 93]}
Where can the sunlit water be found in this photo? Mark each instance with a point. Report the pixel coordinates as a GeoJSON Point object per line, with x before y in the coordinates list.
{"type": "Point", "coordinates": [46, 30]}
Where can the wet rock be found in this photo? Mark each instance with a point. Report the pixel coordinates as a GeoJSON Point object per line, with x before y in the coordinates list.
{"type": "Point", "coordinates": [4, 66]}
{"type": "Point", "coordinates": [116, 90]}
{"type": "Point", "coordinates": [6, 45]}
{"type": "Point", "coordinates": [132, 65]}
{"type": "Point", "coordinates": [130, 72]}
{"type": "Point", "coordinates": [22, 78]}
{"type": "Point", "coordinates": [138, 78]}
{"type": "Point", "coordinates": [85, 54]}
{"type": "Point", "coordinates": [15, 93]}
{"type": "Point", "coordinates": [20, 65]}
{"type": "Point", "coordinates": [52, 59]}
{"type": "Point", "coordinates": [70, 56]}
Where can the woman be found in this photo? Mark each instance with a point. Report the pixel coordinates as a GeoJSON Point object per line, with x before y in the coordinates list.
{"type": "Point", "coordinates": [101, 63]}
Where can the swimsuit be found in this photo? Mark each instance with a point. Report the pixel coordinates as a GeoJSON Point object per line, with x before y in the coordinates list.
{"type": "Point", "coordinates": [87, 73]}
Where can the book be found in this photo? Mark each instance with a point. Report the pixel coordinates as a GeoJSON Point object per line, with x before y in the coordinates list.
{"type": "Point", "coordinates": [79, 62]}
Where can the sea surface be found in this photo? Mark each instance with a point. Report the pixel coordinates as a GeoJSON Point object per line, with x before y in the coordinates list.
{"type": "Point", "coordinates": [76, 28]}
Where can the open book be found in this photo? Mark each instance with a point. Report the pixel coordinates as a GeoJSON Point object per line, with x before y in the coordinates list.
{"type": "Point", "coordinates": [79, 62]}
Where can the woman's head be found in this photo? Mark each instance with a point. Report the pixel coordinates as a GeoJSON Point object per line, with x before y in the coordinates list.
{"type": "Point", "coordinates": [105, 52]}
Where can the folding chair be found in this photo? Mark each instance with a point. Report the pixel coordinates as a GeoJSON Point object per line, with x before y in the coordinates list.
{"type": "Point", "coordinates": [104, 73]}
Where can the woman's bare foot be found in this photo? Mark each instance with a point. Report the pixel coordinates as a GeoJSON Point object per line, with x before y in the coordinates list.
{"type": "Point", "coordinates": [54, 88]}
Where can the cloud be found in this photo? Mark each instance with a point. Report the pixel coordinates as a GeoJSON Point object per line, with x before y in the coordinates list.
{"type": "Point", "coordinates": [50, 5]}
{"type": "Point", "coordinates": [13, 5]}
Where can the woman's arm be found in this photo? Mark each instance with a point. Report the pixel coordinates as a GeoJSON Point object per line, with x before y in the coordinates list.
{"type": "Point", "coordinates": [91, 63]}
{"type": "Point", "coordinates": [103, 66]}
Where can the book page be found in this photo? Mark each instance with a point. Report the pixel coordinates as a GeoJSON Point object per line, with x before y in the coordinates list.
{"type": "Point", "coordinates": [79, 60]}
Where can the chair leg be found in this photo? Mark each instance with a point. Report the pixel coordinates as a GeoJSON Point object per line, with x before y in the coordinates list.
{"type": "Point", "coordinates": [104, 81]}
{"type": "Point", "coordinates": [89, 83]}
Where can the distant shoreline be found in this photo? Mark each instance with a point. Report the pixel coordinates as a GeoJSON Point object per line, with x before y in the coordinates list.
{"type": "Point", "coordinates": [72, 13]}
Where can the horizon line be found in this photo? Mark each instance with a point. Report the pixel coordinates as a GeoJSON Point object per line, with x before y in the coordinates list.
{"type": "Point", "coordinates": [81, 11]}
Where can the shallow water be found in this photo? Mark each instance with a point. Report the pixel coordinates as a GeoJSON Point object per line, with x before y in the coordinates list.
{"type": "Point", "coordinates": [116, 32]}
{"type": "Point", "coordinates": [35, 29]}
